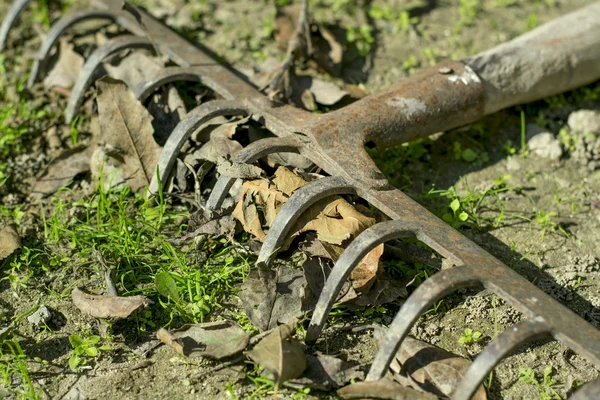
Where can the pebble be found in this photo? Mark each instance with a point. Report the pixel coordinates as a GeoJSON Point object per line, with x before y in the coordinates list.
{"type": "Point", "coordinates": [545, 145]}
{"type": "Point", "coordinates": [585, 121]}
{"type": "Point", "coordinates": [513, 165]}
{"type": "Point", "coordinates": [40, 317]}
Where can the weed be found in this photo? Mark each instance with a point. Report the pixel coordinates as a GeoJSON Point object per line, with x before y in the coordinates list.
{"type": "Point", "coordinates": [13, 368]}
{"type": "Point", "coordinates": [470, 337]}
{"type": "Point", "coordinates": [84, 350]}
{"type": "Point", "coordinates": [567, 139]}
{"type": "Point", "coordinates": [546, 387]}
{"type": "Point", "coordinates": [545, 222]}
{"type": "Point", "coordinates": [532, 21]}
{"type": "Point", "coordinates": [468, 11]}
{"type": "Point", "coordinates": [508, 148]}
{"type": "Point", "coordinates": [524, 151]}
{"type": "Point", "coordinates": [410, 65]}
{"type": "Point", "coordinates": [361, 37]}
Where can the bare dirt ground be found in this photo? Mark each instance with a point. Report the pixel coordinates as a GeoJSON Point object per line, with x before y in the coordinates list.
{"type": "Point", "coordinates": [539, 211]}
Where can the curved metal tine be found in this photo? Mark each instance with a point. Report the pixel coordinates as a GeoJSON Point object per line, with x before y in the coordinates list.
{"type": "Point", "coordinates": [299, 202]}
{"type": "Point", "coordinates": [350, 258]}
{"type": "Point", "coordinates": [167, 75]}
{"type": "Point", "coordinates": [68, 21]}
{"type": "Point", "coordinates": [15, 10]}
{"type": "Point", "coordinates": [184, 130]}
{"type": "Point", "coordinates": [93, 62]}
{"type": "Point", "coordinates": [250, 154]}
{"type": "Point", "coordinates": [589, 391]}
{"type": "Point", "coordinates": [502, 346]}
{"type": "Point", "coordinates": [422, 298]}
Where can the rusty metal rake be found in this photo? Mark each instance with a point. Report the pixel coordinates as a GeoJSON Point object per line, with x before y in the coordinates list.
{"type": "Point", "coordinates": [556, 57]}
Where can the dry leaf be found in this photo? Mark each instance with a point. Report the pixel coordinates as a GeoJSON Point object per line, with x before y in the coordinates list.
{"type": "Point", "coordinates": [231, 169]}
{"type": "Point", "coordinates": [216, 340]}
{"type": "Point", "coordinates": [272, 297]}
{"type": "Point", "coordinates": [62, 170]}
{"type": "Point", "coordinates": [287, 182]}
{"type": "Point", "coordinates": [431, 368]}
{"type": "Point", "coordinates": [334, 220]}
{"type": "Point", "coordinates": [280, 354]}
{"type": "Point", "coordinates": [126, 125]}
{"type": "Point", "coordinates": [382, 389]}
{"type": "Point", "coordinates": [327, 52]}
{"type": "Point", "coordinates": [324, 93]}
{"type": "Point", "coordinates": [113, 307]}
{"type": "Point", "coordinates": [325, 372]}
{"type": "Point", "coordinates": [136, 68]}
{"type": "Point", "coordinates": [67, 67]}
{"type": "Point", "coordinates": [9, 241]}
{"type": "Point", "coordinates": [363, 276]}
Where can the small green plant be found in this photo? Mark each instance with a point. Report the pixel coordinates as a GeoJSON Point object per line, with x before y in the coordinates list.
{"type": "Point", "coordinates": [546, 387]}
{"type": "Point", "coordinates": [410, 65]}
{"type": "Point", "coordinates": [405, 22]}
{"type": "Point", "coordinates": [508, 148]}
{"type": "Point", "coordinates": [470, 337]}
{"type": "Point", "coordinates": [524, 152]}
{"type": "Point", "coordinates": [13, 368]}
{"type": "Point", "coordinates": [468, 11]}
{"type": "Point", "coordinates": [84, 350]}
{"type": "Point", "coordinates": [545, 222]}
{"type": "Point", "coordinates": [568, 140]}
{"type": "Point", "coordinates": [361, 37]}
{"type": "Point", "coordinates": [532, 21]}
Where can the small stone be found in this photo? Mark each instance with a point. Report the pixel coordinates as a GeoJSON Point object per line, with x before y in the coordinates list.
{"type": "Point", "coordinates": [585, 121]}
{"type": "Point", "coordinates": [40, 317]}
{"type": "Point", "coordinates": [513, 165]}
{"type": "Point", "coordinates": [53, 138]}
{"type": "Point", "coordinates": [545, 145]}
{"type": "Point", "coordinates": [445, 70]}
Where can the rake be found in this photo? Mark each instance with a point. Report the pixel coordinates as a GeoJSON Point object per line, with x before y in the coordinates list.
{"type": "Point", "coordinates": [556, 57]}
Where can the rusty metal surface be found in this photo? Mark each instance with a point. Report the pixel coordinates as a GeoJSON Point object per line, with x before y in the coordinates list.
{"type": "Point", "coordinates": [436, 99]}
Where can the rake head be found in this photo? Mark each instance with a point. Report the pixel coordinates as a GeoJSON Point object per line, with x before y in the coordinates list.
{"type": "Point", "coordinates": [436, 99]}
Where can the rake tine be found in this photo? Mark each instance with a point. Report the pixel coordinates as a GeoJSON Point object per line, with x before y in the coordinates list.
{"type": "Point", "coordinates": [167, 75]}
{"type": "Point", "coordinates": [423, 297]}
{"type": "Point", "coordinates": [590, 391]}
{"type": "Point", "coordinates": [493, 353]}
{"type": "Point", "coordinates": [68, 21]}
{"type": "Point", "coordinates": [250, 154]}
{"type": "Point", "coordinates": [299, 202]}
{"type": "Point", "coordinates": [13, 14]}
{"type": "Point", "coordinates": [86, 76]}
{"type": "Point", "coordinates": [184, 130]}
{"type": "Point", "coordinates": [350, 258]}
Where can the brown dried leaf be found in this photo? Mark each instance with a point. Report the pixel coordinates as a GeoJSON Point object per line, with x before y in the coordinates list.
{"type": "Point", "coordinates": [325, 93]}
{"type": "Point", "coordinates": [216, 340]}
{"type": "Point", "coordinates": [363, 276]}
{"type": "Point", "coordinates": [272, 297]}
{"type": "Point", "coordinates": [136, 68]}
{"type": "Point", "coordinates": [334, 220]}
{"type": "Point", "coordinates": [9, 241]}
{"type": "Point", "coordinates": [280, 354]}
{"type": "Point", "coordinates": [382, 389]}
{"type": "Point", "coordinates": [328, 52]}
{"type": "Point", "coordinates": [327, 373]}
{"type": "Point", "coordinates": [113, 307]}
{"type": "Point", "coordinates": [126, 125]}
{"type": "Point", "coordinates": [433, 369]}
{"type": "Point", "coordinates": [62, 170]}
{"type": "Point", "coordinates": [287, 182]}
{"type": "Point", "coordinates": [67, 67]}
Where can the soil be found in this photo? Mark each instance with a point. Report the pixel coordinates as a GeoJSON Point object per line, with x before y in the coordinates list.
{"type": "Point", "coordinates": [561, 257]}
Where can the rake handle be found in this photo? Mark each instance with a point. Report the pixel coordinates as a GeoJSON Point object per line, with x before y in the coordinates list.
{"type": "Point", "coordinates": [553, 58]}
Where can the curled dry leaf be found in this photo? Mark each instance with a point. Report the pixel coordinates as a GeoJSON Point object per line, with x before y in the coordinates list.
{"type": "Point", "coordinates": [136, 68]}
{"type": "Point", "coordinates": [216, 340]}
{"type": "Point", "coordinates": [382, 389]}
{"type": "Point", "coordinates": [280, 354]}
{"type": "Point", "coordinates": [126, 125]}
{"type": "Point", "coordinates": [325, 93]}
{"type": "Point", "coordinates": [429, 367]}
{"type": "Point", "coordinates": [9, 241]}
{"type": "Point", "coordinates": [62, 170]}
{"type": "Point", "coordinates": [113, 307]}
